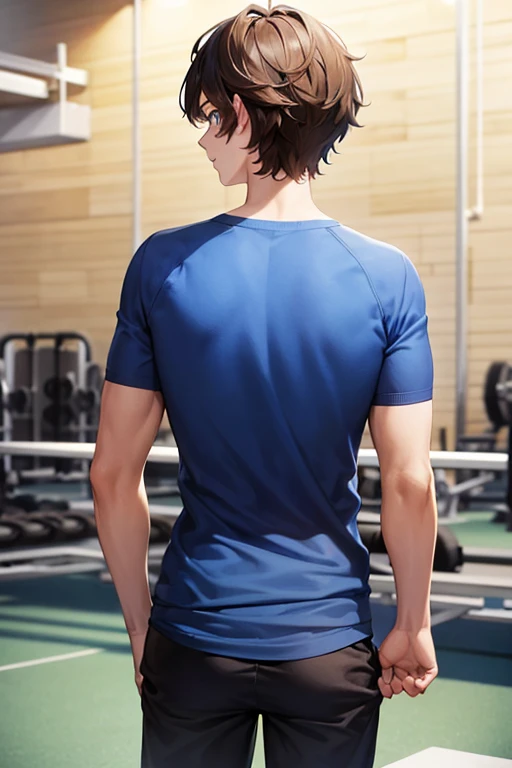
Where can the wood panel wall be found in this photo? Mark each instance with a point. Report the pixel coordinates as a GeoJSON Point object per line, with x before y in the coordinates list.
{"type": "Point", "coordinates": [66, 212]}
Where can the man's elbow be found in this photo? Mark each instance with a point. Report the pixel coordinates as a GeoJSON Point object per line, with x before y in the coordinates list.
{"type": "Point", "coordinates": [101, 479]}
{"type": "Point", "coordinates": [415, 481]}
{"type": "Point", "coordinates": [110, 477]}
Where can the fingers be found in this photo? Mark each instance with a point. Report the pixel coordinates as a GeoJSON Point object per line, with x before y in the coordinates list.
{"type": "Point", "coordinates": [398, 686]}
{"type": "Point", "coordinates": [390, 689]}
{"type": "Point", "coordinates": [389, 684]}
{"type": "Point", "coordinates": [395, 680]}
{"type": "Point", "coordinates": [422, 683]}
{"type": "Point", "coordinates": [410, 687]}
{"type": "Point", "coordinates": [407, 681]}
{"type": "Point", "coordinates": [385, 681]}
{"type": "Point", "coordinates": [385, 689]}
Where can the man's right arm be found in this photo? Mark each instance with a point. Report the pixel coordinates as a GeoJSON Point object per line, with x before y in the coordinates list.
{"type": "Point", "coordinates": [401, 435]}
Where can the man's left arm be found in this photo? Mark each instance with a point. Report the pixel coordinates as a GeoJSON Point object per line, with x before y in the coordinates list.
{"type": "Point", "coordinates": [129, 422]}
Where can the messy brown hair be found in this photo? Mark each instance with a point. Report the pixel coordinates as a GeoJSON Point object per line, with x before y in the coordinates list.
{"type": "Point", "coordinates": [293, 74]}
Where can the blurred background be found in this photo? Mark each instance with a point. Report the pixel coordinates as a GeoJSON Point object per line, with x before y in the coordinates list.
{"type": "Point", "coordinates": [94, 157]}
{"type": "Point", "coordinates": [66, 213]}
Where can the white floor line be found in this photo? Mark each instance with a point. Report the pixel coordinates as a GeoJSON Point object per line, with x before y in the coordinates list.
{"type": "Point", "coordinates": [50, 659]}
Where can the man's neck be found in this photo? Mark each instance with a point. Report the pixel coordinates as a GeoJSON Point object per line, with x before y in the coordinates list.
{"type": "Point", "coordinates": [273, 200]}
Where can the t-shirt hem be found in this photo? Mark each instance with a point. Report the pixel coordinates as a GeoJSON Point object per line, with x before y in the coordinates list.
{"type": "Point", "coordinates": [127, 382]}
{"type": "Point", "coordinates": [263, 649]}
{"type": "Point", "coordinates": [403, 398]}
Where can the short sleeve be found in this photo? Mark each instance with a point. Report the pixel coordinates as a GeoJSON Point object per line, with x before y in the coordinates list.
{"type": "Point", "coordinates": [131, 360]}
{"type": "Point", "coordinates": [407, 373]}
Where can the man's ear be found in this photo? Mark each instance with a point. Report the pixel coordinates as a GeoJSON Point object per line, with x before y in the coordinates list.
{"type": "Point", "coordinates": [242, 114]}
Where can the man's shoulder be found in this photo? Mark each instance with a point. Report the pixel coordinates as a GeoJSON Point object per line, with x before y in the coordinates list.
{"type": "Point", "coordinates": [377, 257]}
{"type": "Point", "coordinates": [387, 268]}
{"type": "Point", "coordinates": [179, 241]}
{"type": "Point", "coordinates": [167, 249]}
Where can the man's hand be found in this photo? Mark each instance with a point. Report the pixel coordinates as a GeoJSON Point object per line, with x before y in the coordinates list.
{"type": "Point", "coordinates": [137, 640]}
{"type": "Point", "coordinates": [408, 661]}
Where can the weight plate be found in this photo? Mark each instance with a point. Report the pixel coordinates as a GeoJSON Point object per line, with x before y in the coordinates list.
{"type": "Point", "coordinates": [497, 411]}
{"type": "Point", "coordinates": [36, 531]}
{"type": "Point", "coordinates": [448, 554]}
{"type": "Point", "coordinates": [19, 400]}
{"type": "Point", "coordinates": [58, 389]}
{"type": "Point", "coordinates": [55, 521]}
{"type": "Point", "coordinates": [67, 526]}
{"type": "Point", "coordinates": [85, 526]}
{"type": "Point", "coordinates": [10, 532]}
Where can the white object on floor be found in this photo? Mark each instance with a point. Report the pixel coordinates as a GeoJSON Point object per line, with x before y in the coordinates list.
{"type": "Point", "coordinates": [435, 757]}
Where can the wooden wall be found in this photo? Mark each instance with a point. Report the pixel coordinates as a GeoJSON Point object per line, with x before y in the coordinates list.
{"type": "Point", "coordinates": [65, 212]}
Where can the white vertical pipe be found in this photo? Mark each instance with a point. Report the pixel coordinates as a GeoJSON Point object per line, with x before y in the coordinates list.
{"type": "Point", "coordinates": [136, 165]}
{"type": "Point", "coordinates": [477, 211]}
{"type": "Point", "coordinates": [462, 218]}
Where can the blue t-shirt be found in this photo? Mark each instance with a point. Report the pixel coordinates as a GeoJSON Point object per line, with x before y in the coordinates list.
{"type": "Point", "coordinates": [269, 341]}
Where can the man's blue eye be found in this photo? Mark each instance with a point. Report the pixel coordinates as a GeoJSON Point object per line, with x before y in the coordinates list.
{"type": "Point", "coordinates": [214, 117]}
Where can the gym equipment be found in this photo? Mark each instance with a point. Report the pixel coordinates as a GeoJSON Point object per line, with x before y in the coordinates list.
{"type": "Point", "coordinates": [369, 486]}
{"type": "Point", "coordinates": [453, 595]}
{"type": "Point", "coordinates": [23, 529]}
{"type": "Point", "coordinates": [497, 394]}
{"type": "Point", "coordinates": [497, 398]}
{"type": "Point", "coordinates": [68, 401]}
{"type": "Point", "coordinates": [470, 479]}
{"type": "Point", "coordinates": [162, 479]}
{"type": "Point", "coordinates": [10, 533]}
{"type": "Point", "coordinates": [59, 505]}
{"type": "Point", "coordinates": [367, 457]}
{"type": "Point", "coordinates": [36, 529]}
{"type": "Point", "coordinates": [49, 391]}
{"type": "Point", "coordinates": [448, 556]}
{"type": "Point", "coordinates": [47, 120]}
{"type": "Point", "coordinates": [73, 525]}
{"type": "Point", "coordinates": [161, 529]}
{"type": "Point", "coordinates": [23, 502]}
{"type": "Point", "coordinates": [471, 486]}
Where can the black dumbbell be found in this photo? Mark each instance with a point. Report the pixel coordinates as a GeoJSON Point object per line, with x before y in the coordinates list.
{"type": "Point", "coordinates": [19, 401]}
{"type": "Point", "coordinates": [58, 389]}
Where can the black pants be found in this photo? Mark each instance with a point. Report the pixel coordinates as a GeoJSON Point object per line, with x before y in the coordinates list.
{"type": "Point", "coordinates": [201, 710]}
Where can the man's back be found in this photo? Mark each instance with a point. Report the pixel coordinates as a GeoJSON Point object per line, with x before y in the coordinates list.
{"type": "Point", "coordinates": [270, 342]}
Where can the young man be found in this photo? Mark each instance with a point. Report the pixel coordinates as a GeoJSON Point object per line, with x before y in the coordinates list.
{"type": "Point", "coordinates": [270, 335]}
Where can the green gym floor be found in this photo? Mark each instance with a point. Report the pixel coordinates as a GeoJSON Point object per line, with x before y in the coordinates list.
{"type": "Point", "coordinates": [82, 708]}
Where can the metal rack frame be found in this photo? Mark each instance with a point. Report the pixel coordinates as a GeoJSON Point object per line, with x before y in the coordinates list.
{"type": "Point", "coordinates": [35, 87]}
{"type": "Point", "coordinates": [56, 120]}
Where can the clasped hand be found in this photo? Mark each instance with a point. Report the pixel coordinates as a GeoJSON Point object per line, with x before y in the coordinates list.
{"type": "Point", "coordinates": [408, 661]}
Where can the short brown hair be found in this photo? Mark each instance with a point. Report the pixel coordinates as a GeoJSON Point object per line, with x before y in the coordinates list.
{"type": "Point", "coordinates": [294, 76]}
